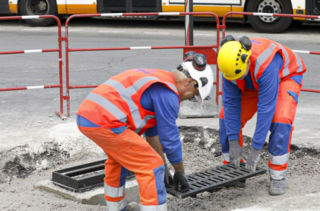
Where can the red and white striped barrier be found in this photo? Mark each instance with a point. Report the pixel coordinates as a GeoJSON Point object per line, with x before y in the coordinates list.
{"type": "Point", "coordinates": [306, 52]}
{"type": "Point", "coordinates": [30, 87]}
{"type": "Point", "coordinates": [32, 51]}
{"type": "Point", "coordinates": [202, 48]}
{"type": "Point", "coordinates": [29, 51]}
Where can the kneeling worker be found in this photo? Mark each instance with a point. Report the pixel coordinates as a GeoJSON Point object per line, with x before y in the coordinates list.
{"type": "Point", "coordinates": [136, 102]}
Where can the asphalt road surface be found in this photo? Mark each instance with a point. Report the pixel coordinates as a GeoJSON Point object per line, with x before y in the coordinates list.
{"type": "Point", "coordinates": [27, 116]}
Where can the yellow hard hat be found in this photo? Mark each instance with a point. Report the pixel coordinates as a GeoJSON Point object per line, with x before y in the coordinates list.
{"type": "Point", "coordinates": [233, 59]}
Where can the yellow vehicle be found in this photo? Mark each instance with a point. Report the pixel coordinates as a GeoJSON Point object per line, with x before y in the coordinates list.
{"type": "Point", "coordinates": [220, 7]}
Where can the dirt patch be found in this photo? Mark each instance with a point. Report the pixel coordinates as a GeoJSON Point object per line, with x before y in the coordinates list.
{"type": "Point", "coordinates": [201, 151]}
{"type": "Point", "coordinates": [21, 161]}
{"type": "Point", "coordinates": [303, 171]}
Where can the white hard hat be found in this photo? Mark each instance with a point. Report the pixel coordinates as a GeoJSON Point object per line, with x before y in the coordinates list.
{"type": "Point", "coordinates": [201, 72]}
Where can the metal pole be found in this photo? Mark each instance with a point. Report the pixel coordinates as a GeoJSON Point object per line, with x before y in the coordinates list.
{"type": "Point", "coordinates": [189, 22]}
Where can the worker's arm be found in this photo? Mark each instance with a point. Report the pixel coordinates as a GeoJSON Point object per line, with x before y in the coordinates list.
{"type": "Point", "coordinates": [165, 104]}
{"type": "Point", "coordinates": [154, 141]}
{"type": "Point", "coordinates": [156, 145]}
{"type": "Point", "coordinates": [268, 93]}
{"type": "Point", "coordinates": [231, 100]}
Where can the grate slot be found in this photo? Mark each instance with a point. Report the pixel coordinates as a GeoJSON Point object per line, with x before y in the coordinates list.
{"type": "Point", "coordinates": [213, 180]}
{"type": "Point", "coordinates": [222, 177]}
{"type": "Point", "coordinates": [200, 175]}
{"type": "Point", "coordinates": [230, 175]}
{"type": "Point", "coordinates": [236, 173]}
{"type": "Point", "coordinates": [217, 171]}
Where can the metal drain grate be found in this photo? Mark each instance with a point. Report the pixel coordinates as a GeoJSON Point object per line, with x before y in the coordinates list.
{"type": "Point", "coordinates": [87, 176]}
{"type": "Point", "coordinates": [83, 177]}
{"type": "Point", "coordinates": [214, 179]}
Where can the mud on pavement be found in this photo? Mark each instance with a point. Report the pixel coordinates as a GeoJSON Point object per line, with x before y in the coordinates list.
{"type": "Point", "coordinates": [202, 150]}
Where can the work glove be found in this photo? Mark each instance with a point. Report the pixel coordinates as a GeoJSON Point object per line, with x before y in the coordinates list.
{"type": "Point", "coordinates": [253, 159]}
{"type": "Point", "coordinates": [235, 153]}
{"type": "Point", "coordinates": [168, 180]}
{"type": "Point", "coordinates": [180, 182]}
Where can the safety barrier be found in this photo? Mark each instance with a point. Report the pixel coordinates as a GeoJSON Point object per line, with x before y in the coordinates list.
{"type": "Point", "coordinates": [59, 50]}
{"type": "Point", "coordinates": [223, 29]}
{"type": "Point", "coordinates": [206, 49]}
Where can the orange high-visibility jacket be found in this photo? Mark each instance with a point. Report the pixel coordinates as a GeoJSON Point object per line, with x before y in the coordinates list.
{"type": "Point", "coordinates": [116, 102]}
{"type": "Point", "coordinates": [263, 51]}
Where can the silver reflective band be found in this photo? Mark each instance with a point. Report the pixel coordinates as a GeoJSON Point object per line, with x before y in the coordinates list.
{"type": "Point", "coordinates": [285, 70]}
{"type": "Point", "coordinates": [140, 47]}
{"type": "Point", "coordinates": [279, 160]}
{"type": "Point", "coordinates": [111, 14]}
{"type": "Point", "coordinates": [146, 118]}
{"type": "Point", "coordinates": [260, 60]}
{"type": "Point", "coordinates": [113, 192]}
{"type": "Point", "coordinates": [169, 13]}
{"type": "Point", "coordinates": [298, 59]}
{"type": "Point", "coordinates": [108, 106]}
{"type": "Point", "coordinates": [33, 51]}
{"type": "Point", "coordinates": [35, 87]}
{"type": "Point", "coordinates": [300, 51]}
{"type": "Point", "coordinates": [263, 14]}
{"type": "Point", "coordinates": [226, 156]}
{"type": "Point", "coordinates": [126, 94]}
{"type": "Point", "coordinates": [277, 175]}
{"type": "Point", "coordinates": [116, 206]}
{"type": "Point", "coordinates": [30, 16]}
{"type": "Point", "coordinates": [162, 207]}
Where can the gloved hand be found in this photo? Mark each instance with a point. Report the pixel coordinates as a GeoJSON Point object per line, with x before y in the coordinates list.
{"type": "Point", "coordinates": [253, 159]}
{"type": "Point", "coordinates": [180, 181]}
{"type": "Point", "coordinates": [235, 152]}
{"type": "Point", "coordinates": [168, 180]}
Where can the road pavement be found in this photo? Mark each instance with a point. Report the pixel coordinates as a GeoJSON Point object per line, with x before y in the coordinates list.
{"type": "Point", "coordinates": [28, 119]}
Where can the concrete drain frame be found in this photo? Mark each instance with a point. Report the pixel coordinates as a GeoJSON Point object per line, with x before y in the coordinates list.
{"type": "Point", "coordinates": [88, 176]}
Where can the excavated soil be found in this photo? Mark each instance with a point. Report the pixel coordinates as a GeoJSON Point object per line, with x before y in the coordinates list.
{"type": "Point", "coordinates": [201, 151]}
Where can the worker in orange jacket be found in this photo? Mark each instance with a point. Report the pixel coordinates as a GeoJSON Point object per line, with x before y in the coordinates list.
{"type": "Point", "coordinates": [137, 102]}
{"type": "Point", "coordinates": [263, 76]}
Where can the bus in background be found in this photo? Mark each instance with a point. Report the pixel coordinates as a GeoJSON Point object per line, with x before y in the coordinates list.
{"type": "Point", "coordinates": [220, 7]}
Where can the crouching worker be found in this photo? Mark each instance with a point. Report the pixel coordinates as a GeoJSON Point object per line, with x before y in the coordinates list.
{"type": "Point", "coordinates": [136, 102]}
{"type": "Point", "coordinates": [263, 76]}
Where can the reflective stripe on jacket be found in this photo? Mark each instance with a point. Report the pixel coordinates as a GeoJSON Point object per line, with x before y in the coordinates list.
{"type": "Point", "coordinates": [263, 51]}
{"type": "Point", "coordinates": [116, 102]}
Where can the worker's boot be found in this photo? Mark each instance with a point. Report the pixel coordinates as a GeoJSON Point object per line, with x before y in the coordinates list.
{"type": "Point", "coordinates": [277, 187]}
{"type": "Point", "coordinates": [133, 206]}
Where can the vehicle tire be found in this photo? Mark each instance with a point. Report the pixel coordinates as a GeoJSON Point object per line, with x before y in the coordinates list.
{"type": "Point", "coordinates": [38, 7]}
{"type": "Point", "coordinates": [269, 24]}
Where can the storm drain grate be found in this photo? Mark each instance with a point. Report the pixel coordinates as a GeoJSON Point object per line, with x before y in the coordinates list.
{"type": "Point", "coordinates": [87, 176]}
{"type": "Point", "coordinates": [214, 179]}
{"type": "Point", "coordinates": [83, 177]}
